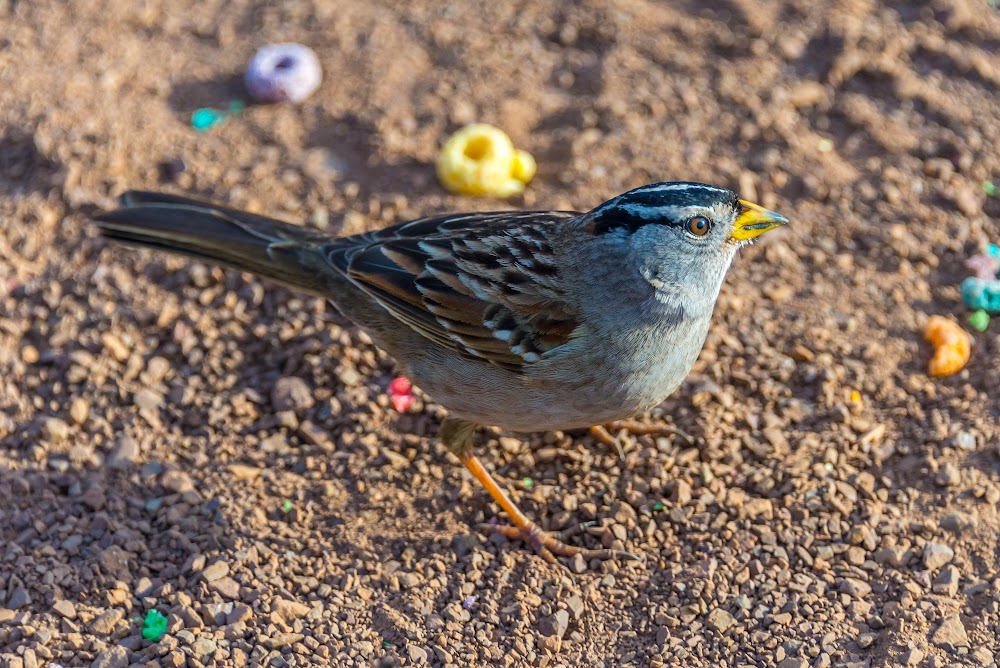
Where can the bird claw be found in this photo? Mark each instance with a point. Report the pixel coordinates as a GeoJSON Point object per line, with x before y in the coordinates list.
{"type": "Point", "coordinates": [550, 546]}
{"type": "Point", "coordinates": [605, 433]}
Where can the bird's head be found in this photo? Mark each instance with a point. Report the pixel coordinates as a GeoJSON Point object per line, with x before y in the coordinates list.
{"type": "Point", "coordinates": [682, 236]}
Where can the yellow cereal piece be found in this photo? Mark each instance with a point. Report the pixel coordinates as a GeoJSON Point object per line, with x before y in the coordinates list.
{"type": "Point", "coordinates": [952, 346]}
{"type": "Point", "coordinates": [480, 159]}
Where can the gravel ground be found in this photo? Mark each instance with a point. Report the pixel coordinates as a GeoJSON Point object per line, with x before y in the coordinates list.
{"type": "Point", "coordinates": [177, 437]}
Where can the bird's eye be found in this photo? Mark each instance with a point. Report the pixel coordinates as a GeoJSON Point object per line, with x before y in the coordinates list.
{"type": "Point", "coordinates": [699, 226]}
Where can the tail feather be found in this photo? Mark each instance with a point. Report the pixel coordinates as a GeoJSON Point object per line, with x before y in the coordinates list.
{"type": "Point", "coordinates": [270, 248]}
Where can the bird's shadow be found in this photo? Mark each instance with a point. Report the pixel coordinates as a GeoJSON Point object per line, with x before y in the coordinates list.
{"type": "Point", "coordinates": [24, 168]}
{"type": "Point", "coordinates": [217, 92]}
{"type": "Point", "coordinates": [354, 151]}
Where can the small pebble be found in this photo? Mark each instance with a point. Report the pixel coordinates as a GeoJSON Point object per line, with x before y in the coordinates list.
{"type": "Point", "coordinates": [124, 453]}
{"type": "Point", "coordinates": [965, 440]}
{"type": "Point", "coordinates": [937, 554]}
{"type": "Point", "coordinates": [946, 583]}
{"type": "Point", "coordinates": [950, 634]}
{"type": "Point", "coordinates": [291, 393]}
{"type": "Point", "coordinates": [957, 522]}
{"type": "Point", "coordinates": [79, 411]}
{"type": "Point", "coordinates": [720, 620]}
{"type": "Point", "coordinates": [215, 571]}
{"type": "Point", "coordinates": [949, 475]}
{"type": "Point", "coordinates": [56, 430]}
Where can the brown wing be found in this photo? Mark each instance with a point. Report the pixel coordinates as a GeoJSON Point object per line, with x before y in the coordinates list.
{"type": "Point", "coordinates": [481, 284]}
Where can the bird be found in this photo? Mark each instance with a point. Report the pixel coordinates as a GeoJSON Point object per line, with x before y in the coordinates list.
{"type": "Point", "coordinates": [528, 321]}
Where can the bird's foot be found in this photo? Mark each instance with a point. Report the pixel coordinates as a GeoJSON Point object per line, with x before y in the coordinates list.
{"type": "Point", "coordinates": [550, 545]}
{"type": "Point", "coordinates": [604, 433]}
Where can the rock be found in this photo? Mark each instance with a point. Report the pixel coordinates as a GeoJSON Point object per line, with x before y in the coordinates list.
{"type": "Point", "coordinates": [937, 555]}
{"type": "Point", "coordinates": [215, 571]}
{"type": "Point", "coordinates": [105, 623]}
{"type": "Point", "coordinates": [463, 544]}
{"type": "Point", "coordinates": [143, 587]}
{"type": "Point", "coordinates": [554, 626]}
{"type": "Point", "coordinates": [226, 587]}
{"type": "Point", "coordinates": [79, 411]}
{"type": "Point", "coordinates": [289, 611]}
{"type": "Point", "coordinates": [720, 620]}
{"type": "Point", "coordinates": [187, 615]}
{"type": "Point", "coordinates": [280, 640]}
{"type": "Point", "coordinates": [291, 393]}
{"type": "Point", "coordinates": [577, 563]}
{"type": "Point", "coordinates": [64, 608]}
{"type": "Point", "coordinates": [124, 454]}
{"type": "Point", "coordinates": [177, 482]}
{"type": "Point", "coordinates": [243, 472]}
{"type": "Point", "coordinates": [982, 656]}
{"type": "Point", "coordinates": [417, 654]}
{"type": "Point", "coordinates": [964, 440]}
{"type": "Point", "coordinates": [575, 605]}
{"type": "Point", "coordinates": [761, 508]}
{"type": "Point", "coordinates": [968, 200]}
{"type": "Point", "coordinates": [946, 583]}
{"type": "Point", "coordinates": [793, 662]}
{"type": "Point", "coordinates": [913, 657]}
{"type": "Point", "coordinates": [865, 640]}
{"type": "Point", "coordinates": [175, 659]}
{"type": "Point", "coordinates": [949, 475]}
{"type": "Point", "coordinates": [951, 634]}
{"type": "Point", "coordinates": [7, 425]}
{"type": "Point", "coordinates": [682, 493]}
{"type": "Point", "coordinates": [55, 430]}
{"type": "Point", "coordinates": [18, 599]}
{"type": "Point", "coordinates": [115, 346]}
{"type": "Point", "coordinates": [315, 435]}
{"type": "Point", "coordinates": [409, 580]}
{"type": "Point", "coordinates": [149, 403]}
{"type": "Point", "coordinates": [240, 613]}
{"type": "Point", "coordinates": [116, 657]}
{"type": "Point", "coordinates": [203, 647]}
{"type": "Point", "coordinates": [157, 369]}
{"type": "Point", "coordinates": [275, 443]}
{"type": "Point", "coordinates": [958, 522]}
{"type": "Point", "coordinates": [855, 587]}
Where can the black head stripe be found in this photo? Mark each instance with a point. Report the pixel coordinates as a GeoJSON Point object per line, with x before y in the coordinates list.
{"type": "Point", "coordinates": [650, 205]}
{"type": "Point", "coordinates": [615, 217]}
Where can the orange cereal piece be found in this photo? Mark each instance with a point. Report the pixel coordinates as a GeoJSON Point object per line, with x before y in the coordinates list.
{"type": "Point", "coordinates": [952, 346]}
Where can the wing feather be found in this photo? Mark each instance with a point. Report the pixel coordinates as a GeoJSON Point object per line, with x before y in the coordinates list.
{"type": "Point", "coordinates": [483, 285]}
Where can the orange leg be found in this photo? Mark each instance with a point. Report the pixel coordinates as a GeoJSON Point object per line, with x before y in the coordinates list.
{"type": "Point", "coordinates": [457, 435]}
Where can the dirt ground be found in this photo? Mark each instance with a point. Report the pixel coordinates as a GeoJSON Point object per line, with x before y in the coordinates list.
{"type": "Point", "coordinates": [823, 502]}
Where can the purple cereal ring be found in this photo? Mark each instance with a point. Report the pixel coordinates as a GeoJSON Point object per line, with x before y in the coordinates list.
{"type": "Point", "coordinates": [283, 72]}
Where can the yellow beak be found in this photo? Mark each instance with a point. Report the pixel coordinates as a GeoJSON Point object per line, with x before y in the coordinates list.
{"type": "Point", "coordinates": [754, 221]}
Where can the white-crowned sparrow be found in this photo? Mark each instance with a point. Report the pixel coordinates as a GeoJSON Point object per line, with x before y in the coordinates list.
{"type": "Point", "coordinates": [529, 321]}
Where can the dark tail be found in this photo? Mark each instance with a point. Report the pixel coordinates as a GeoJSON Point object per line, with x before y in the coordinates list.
{"type": "Point", "coordinates": [285, 253]}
